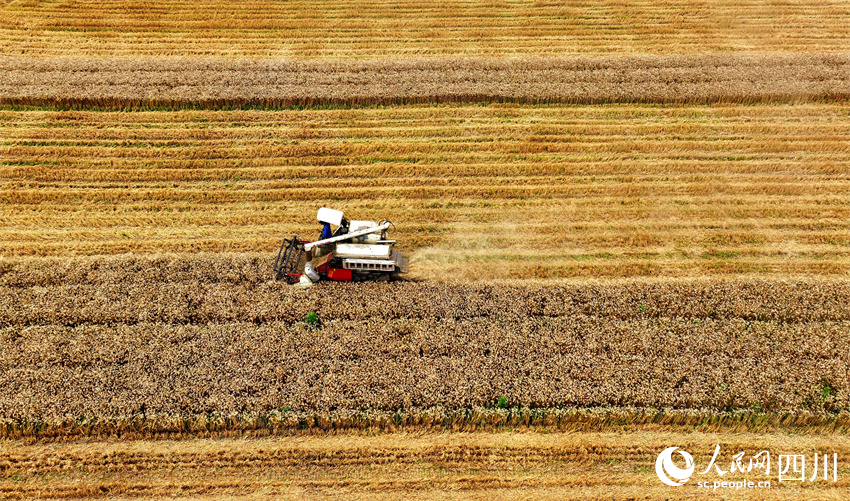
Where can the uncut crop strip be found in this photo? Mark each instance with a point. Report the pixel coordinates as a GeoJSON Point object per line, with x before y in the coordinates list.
{"type": "Point", "coordinates": [121, 83]}
{"type": "Point", "coordinates": [540, 191]}
{"type": "Point", "coordinates": [390, 466]}
{"type": "Point", "coordinates": [155, 341]}
{"type": "Point", "coordinates": [128, 288]}
{"type": "Point", "coordinates": [357, 28]}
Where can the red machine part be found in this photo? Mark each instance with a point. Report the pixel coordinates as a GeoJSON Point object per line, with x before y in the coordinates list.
{"type": "Point", "coordinates": [323, 264]}
{"type": "Point", "coordinates": [339, 274]}
{"type": "Point", "coordinates": [292, 278]}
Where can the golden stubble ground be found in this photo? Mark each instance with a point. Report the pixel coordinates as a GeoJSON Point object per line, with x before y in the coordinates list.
{"type": "Point", "coordinates": [357, 28]}
{"type": "Point", "coordinates": [498, 191]}
{"type": "Point", "coordinates": [500, 465]}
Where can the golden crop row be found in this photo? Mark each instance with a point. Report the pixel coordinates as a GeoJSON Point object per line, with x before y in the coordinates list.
{"type": "Point", "coordinates": [525, 191]}
{"type": "Point", "coordinates": [704, 78]}
{"type": "Point", "coordinates": [357, 28]}
{"type": "Point", "coordinates": [169, 339]}
{"type": "Point", "coordinates": [238, 288]}
{"type": "Point", "coordinates": [516, 262]}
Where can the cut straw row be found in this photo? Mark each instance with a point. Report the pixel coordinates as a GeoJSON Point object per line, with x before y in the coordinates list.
{"type": "Point", "coordinates": [215, 82]}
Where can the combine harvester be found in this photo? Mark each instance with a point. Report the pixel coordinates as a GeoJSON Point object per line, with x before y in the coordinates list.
{"type": "Point", "coordinates": [355, 251]}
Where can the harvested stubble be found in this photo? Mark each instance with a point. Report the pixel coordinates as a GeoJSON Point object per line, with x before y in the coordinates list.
{"type": "Point", "coordinates": [592, 466]}
{"type": "Point", "coordinates": [152, 350]}
{"type": "Point", "coordinates": [706, 78]}
{"type": "Point", "coordinates": [357, 28]}
{"type": "Point", "coordinates": [496, 191]}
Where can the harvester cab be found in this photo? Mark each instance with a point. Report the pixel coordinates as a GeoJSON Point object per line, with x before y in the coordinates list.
{"type": "Point", "coordinates": [354, 251]}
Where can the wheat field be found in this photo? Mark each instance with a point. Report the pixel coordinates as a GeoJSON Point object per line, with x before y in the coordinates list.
{"type": "Point", "coordinates": [106, 345]}
{"type": "Point", "coordinates": [627, 225]}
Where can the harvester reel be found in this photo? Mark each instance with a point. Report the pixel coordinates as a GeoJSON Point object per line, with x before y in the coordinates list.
{"type": "Point", "coordinates": [289, 259]}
